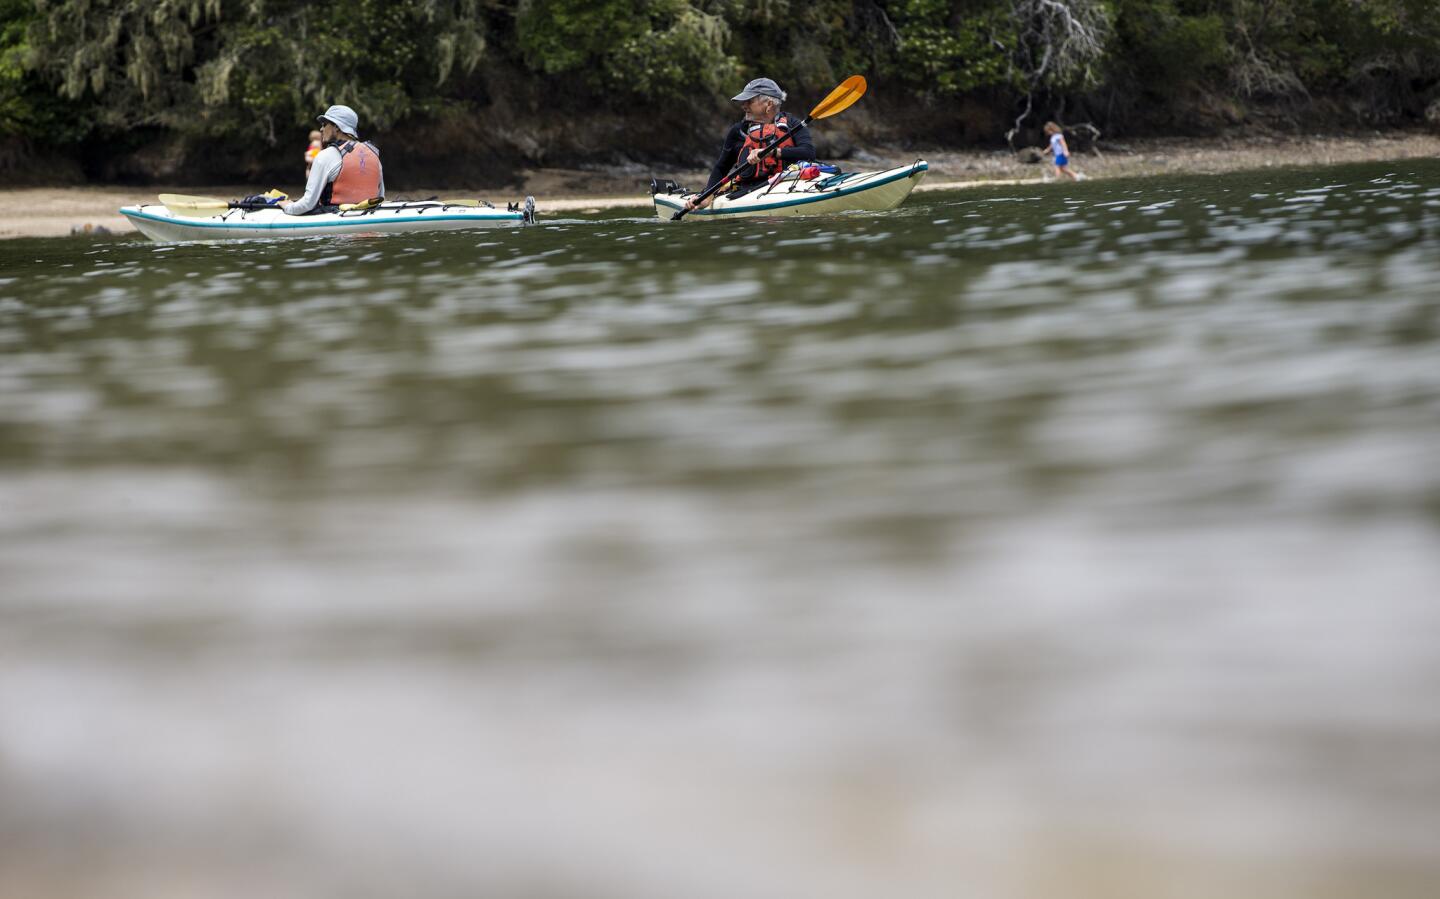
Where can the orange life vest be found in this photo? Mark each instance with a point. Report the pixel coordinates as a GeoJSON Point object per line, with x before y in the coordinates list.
{"type": "Point", "coordinates": [359, 177]}
{"type": "Point", "coordinates": [757, 136]}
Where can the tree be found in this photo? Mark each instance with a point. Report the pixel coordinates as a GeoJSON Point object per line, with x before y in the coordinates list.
{"type": "Point", "coordinates": [1060, 44]}
{"type": "Point", "coordinates": [650, 49]}
{"type": "Point", "coordinates": [218, 66]}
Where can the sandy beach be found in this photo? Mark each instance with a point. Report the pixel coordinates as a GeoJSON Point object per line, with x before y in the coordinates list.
{"type": "Point", "coordinates": [92, 209]}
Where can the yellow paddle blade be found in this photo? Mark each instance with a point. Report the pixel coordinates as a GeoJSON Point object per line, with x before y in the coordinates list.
{"type": "Point", "coordinates": [182, 203]}
{"type": "Point", "coordinates": [461, 202]}
{"type": "Point", "coordinates": [841, 98]}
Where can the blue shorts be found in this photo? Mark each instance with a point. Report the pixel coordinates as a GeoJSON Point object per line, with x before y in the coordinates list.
{"type": "Point", "coordinates": [1062, 160]}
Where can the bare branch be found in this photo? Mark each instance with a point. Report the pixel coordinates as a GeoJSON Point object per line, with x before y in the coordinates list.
{"type": "Point", "coordinates": [1060, 39]}
{"type": "Point", "coordinates": [1060, 42]}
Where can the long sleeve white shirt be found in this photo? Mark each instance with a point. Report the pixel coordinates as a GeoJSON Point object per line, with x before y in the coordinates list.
{"type": "Point", "coordinates": [323, 170]}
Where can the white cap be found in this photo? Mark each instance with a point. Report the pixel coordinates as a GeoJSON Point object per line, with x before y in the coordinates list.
{"type": "Point", "coordinates": [342, 117]}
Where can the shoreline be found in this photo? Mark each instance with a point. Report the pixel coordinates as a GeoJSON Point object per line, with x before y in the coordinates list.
{"type": "Point", "coordinates": [90, 210]}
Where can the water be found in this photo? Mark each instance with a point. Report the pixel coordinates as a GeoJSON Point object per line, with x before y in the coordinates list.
{"type": "Point", "coordinates": [1033, 542]}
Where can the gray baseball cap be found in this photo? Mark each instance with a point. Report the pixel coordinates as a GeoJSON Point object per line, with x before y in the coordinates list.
{"type": "Point", "coordinates": [760, 87]}
{"type": "Point", "coordinates": [343, 117]}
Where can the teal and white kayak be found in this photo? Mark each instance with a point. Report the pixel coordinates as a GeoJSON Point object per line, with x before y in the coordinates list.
{"type": "Point", "coordinates": [848, 192]}
{"type": "Point", "coordinates": [162, 224]}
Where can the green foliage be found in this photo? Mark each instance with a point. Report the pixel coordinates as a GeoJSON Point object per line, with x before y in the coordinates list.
{"type": "Point", "coordinates": [258, 69]}
{"type": "Point", "coordinates": [248, 66]}
{"type": "Point", "coordinates": [28, 108]}
{"type": "Point", "coordinates": [806, 45]}
{"type": "Point", "coordinates": [671, 63]}
{"type": "Point", "coordinates": [1409, 23]}
{"type": "Point", "coordinates": [651, 49]}
{"type": "Point", "coordinates": [1165, 51]}
{"type": "Point", "coordinates": [946, 50]}
{"type": "Point", "coordinates": [16, 110]}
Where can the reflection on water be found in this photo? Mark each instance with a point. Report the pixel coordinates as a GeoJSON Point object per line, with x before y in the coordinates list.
{"type": "Point", "coordinates": [1065, 542]}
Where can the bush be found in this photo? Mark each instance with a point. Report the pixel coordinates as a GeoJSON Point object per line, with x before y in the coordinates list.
{"type": "Point", "coordinates": [946, 49]}
{"type": "Point", "coordinates": [650, 50]}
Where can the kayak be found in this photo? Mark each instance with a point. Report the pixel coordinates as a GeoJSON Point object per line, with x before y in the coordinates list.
{"type": "Point", "coordinates": [789, 195]}
{"type": "Point", "coordinates": [160, 223]}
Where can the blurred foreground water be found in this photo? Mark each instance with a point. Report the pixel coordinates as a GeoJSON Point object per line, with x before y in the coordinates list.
{"type": "Point", "coordinates": [1076, 541]}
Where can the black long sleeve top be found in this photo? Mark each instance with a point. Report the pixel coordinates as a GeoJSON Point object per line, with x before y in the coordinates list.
{"type": "Point", "coordinates": [735, 139]}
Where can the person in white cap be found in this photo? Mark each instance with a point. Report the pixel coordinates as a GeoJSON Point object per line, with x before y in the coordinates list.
{"type": "Point", "coordinates": [348, 169]}
{"type": "Point", "coordinates": [760, 102]}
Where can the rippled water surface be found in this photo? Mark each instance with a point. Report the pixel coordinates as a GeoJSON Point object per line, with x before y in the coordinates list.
{"type": "Point", "coordinates": [1055, 542]}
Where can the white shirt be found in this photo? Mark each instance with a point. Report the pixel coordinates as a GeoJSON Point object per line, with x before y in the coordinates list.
{"type": "Point", "coordinates": [323, 170]}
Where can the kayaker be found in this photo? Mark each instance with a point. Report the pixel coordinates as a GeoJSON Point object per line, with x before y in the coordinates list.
{"type": "Point", "coordinates": [760, 102]}
{"type": "Point", "coordinates": [346, 171]}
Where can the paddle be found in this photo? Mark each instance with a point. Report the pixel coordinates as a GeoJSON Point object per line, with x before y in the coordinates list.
{"type": "Point", "coordinates": [203, 205]}
{"type": "Point", "coordinates": [839, 100]}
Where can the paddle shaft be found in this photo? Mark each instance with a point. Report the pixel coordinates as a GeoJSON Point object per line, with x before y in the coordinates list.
{"type": "Point", "coordinates": [764, 151]}
{"type": "Point", "coordinates": [198, 211]}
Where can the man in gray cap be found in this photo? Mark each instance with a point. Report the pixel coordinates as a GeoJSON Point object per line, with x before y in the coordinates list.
{"type": "Point", "coordinates": [760, 102]}
{"type": "Point", "coordinates": [346, 171]}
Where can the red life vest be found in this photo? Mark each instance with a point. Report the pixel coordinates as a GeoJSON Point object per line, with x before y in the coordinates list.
{"type": "Point", "coordinates": [359, 176]}
{"type": "Point", "coordinates": [757, 136]}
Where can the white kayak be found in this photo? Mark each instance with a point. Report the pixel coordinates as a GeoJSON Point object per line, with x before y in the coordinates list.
{"type": "Point", "coordinates": [847, 192]}
{"type": "Point", "coordinates": [160, 223]}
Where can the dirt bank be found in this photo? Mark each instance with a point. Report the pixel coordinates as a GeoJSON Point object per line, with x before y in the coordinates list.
{"type": "Point", "coordinates": [53, 212]}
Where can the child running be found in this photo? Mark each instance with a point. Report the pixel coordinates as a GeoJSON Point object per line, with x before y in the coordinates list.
{"type": "Point", "coordinates": [1061, 151]}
